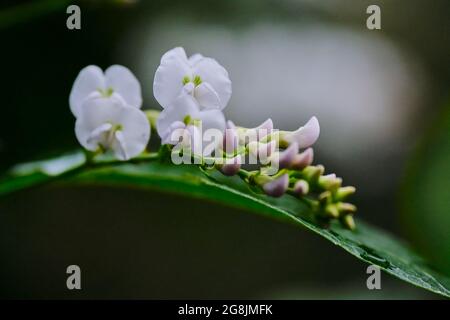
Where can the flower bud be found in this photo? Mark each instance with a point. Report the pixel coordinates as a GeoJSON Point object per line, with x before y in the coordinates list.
{"type": "Point", "coordinates": [264, 129]}
{"type": "Point", "coordinates": [312, 173]}
{"type": "Point", "coordinates": [330, 182]}
{"type": "Point", "coordinates": [343, 192]}
{"type": "Point", "coordinates": [348, 222]}
{"type": "Point", "coordinates": [261, 131]}
{"type": "Point", "coordinates": [286, 157]}
{"type": "Point", "coordinates": [303, 159]}
{"type": "Point", "coordinates": [231, 166]}
{"type": "Point", "coordinates": [332, 211]}
{"type": "Point", "coordinates": [346, 207]}
{"type": "Point", "coordinates": [305, 136]}
{"type": "Point", "coordinates": [301, 188]}
{"type": "Point", "coordinates": [276, 188]}
{"type": "Point", "coordinates": [325, 197]}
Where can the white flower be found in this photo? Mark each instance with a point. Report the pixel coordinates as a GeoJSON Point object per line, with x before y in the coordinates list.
{"type": "Point", "coordinates": [201, 77]}
{"type": "Point", "coordinates": [304, 136]}
{"type": "Point", "coordinates": [111, 124]}
{"type": "Point", "coordinates": [117, 81]}
{"type": "Point", "coordinates": [185, 111]}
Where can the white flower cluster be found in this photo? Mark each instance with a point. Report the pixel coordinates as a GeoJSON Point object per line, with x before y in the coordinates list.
{"type": "Point", "coordinates": [193, 92]}
{"type": "Point", "coordinates": [107, 107]}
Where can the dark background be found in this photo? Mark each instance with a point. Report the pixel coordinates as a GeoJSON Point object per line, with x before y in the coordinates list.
{"type": "Point", "coordinates": [377, 94]}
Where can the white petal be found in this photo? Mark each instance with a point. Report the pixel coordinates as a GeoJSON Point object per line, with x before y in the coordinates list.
{"type": "Point", "coordinates": [168, 81]}
{"type": "Point", "coordinates": [305, 136]}
{"type": "Point", "coordinates": [212, 119]}
{"type": "Point", "coordinates": [89, 79]}
{"type": "Point", "coordinates": [207, 97]}
{"type": "Point", "coordinates": [184, 105]}
{"type": "Point", "coordinates": [195, 142]}
{"type": "Point", "coordinates": [97, 112]}
{"type": "Point", "coordinates": [166, 138]}
{"type": "Point", "coordinates": [189, 88]}
{"type": "Point", "coordinates": [123, 82]}
{"type": "Point", "coordinates": [120, 148]}
{"type": "Point", "coordinates": [231, 125]}
{"type": "Point", "coordinates": [95, 135]}
{"type": "Point", "coordinates": [177, 52]}
{"type": "Point", "coordinates": [135, 130]}
{"type": "Point", "coordinates": [94, 113]}
{"type": "Point", "coordinates": [212, 72]}
{"type": "Point", "coordinates": [195, 58]}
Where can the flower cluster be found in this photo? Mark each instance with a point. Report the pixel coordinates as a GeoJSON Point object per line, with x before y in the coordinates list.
{"type": "Point", "coordinates": [107, 107]}
{"type": "Point", "coordinates": [193, 91]}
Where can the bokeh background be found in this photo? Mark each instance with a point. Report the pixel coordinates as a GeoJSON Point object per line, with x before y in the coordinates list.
{"type": "Point", "coordinates": [381, 96]}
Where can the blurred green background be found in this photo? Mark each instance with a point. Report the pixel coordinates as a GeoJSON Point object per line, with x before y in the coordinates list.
{"type": "Point", "coordinates": [381, 98]}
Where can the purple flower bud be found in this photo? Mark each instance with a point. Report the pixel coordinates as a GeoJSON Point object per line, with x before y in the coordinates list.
{"type": "Point", "coordinates": [287, 156]}
{"type": "Point", "coordinates": [231, 166]}
{"type": "Point", "coordinates": [304, 159]}
{"type": "Point", "coordinates": [301, 188]}
{"type": "Point", "coordinates": [277, 187]}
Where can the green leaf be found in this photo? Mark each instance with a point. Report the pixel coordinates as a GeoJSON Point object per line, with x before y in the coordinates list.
{"type": "Point", "coordinates": [367, 243]}
{"type": "Point", "coordinates": [427, 196]}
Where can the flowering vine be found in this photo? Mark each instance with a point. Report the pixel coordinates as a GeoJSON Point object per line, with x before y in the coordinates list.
{"type": "Point", "coordinates": [193, 91]}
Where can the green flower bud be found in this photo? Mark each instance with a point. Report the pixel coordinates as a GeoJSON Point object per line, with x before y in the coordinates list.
{"type": "Point", "coordinates": [312, 173]}
{"type": "Point", "coordinates": [343, 192]}
{"type": "Point", "coordinates": [332, 211]}
{"type": "Point", "coordinates": [348, 222]}
{"type": "Point", "coordinates": [345, 207]}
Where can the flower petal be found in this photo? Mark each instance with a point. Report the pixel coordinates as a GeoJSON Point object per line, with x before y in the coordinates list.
{"type": "Point", "coordinates": [304, 159]}
{"type": "Point", "coordinates": [206, 96]}
{"type": "Point", "coordinates": [135, 129]}
{"type": "Point", "coordinates": [90, 79]}
{"type": "Point", "coordinates": [95, 135]}
{"type": "Point", "coordinates": [212, 72]}
{"type": "Point", "coordinates": [166, 138]}
{"type": "Point", "coordinates": [184, 105]}
{"type": "Point", "coordinates": [94, 114]}
{"type": "Point", "coordinates": [177, 52]}
{"type": "Point", "coordinates": [305, 136]}
{"type": "Point", "coordinates": [120, 148]}
{"type": "Point", "coordinates": [97, 112]}
{"type": "Point", "coordinates": [212, 119]}
{"type": "Point", "coordinates": [123, 81]}
{"type": "Point", "coordinates": [195, 58]}
{"type": "Point", "coordinates": [168, 81]}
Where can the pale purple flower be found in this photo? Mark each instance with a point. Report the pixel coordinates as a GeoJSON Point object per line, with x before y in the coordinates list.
{"type": "Point", "coordinates": [276, 188]}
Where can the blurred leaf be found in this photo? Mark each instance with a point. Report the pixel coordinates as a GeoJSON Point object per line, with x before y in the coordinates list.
{"type": "Point", "coordinates": [367, 243]}
{"type": "Point", "coordinates": [30, 10]}
{"type": "Point", "coordinates": [427, 194]}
